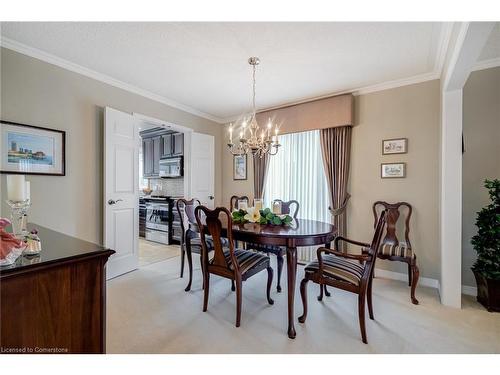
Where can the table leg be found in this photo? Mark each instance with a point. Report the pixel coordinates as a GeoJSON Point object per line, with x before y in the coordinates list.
{"type": "Point", "coordinates": [291, 268]}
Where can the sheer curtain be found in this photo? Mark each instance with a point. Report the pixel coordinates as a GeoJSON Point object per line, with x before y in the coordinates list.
{"type": "Point", "coordinates": [296, 172]}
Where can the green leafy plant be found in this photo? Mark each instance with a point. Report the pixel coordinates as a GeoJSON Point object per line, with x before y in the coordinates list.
{"type": "Point", "coordinates": [266, 216]}
{"type": "Point", "coordinates": [487, 240]}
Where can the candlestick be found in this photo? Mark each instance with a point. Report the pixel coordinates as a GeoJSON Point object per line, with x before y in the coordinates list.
{"type": "Point", "coordinates": [231, 133]}
{"type": "Point", "coordinates": [16, 188]}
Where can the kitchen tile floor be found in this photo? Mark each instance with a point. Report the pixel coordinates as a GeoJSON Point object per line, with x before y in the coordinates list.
{"type": "Point", "coordinates": [153, 252]}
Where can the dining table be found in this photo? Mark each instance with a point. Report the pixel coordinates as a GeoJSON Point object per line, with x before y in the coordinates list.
{"type": "Point", "coordinates": [300, 232]}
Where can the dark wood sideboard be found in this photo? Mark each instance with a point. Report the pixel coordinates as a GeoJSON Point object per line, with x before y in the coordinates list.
{"type": "Point", "coordinates": [55, 302]}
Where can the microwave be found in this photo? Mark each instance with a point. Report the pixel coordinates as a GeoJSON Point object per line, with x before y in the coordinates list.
{"type": "Point", "coordinates": [171, 167]}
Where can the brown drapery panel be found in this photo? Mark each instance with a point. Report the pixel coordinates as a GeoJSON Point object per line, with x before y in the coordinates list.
{"type": "Point", "coordinates": [336, 151]}
{"type": "Point", "coordinates": [260, 168]}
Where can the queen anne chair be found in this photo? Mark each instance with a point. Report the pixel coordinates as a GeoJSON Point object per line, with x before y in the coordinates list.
{"type": "Point", "coordinates": [235, 264]}
{"type": "Point", "coordinates": [391, 248]}
{"type": "Point", "coordinates": [350, 272]}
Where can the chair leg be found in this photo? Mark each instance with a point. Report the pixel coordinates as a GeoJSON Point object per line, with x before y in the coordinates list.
{"type": "Point", "coordinates": [202, 272]}
{"type": "Point", "coordinates": [321, 291]}
{"type": "Point", "coordinates": [303, 296]}
{"type": "Point", "coordinates": [233, 288]}
{"type": "Point", "coordinates": [414, 274]}
{"type": "Point", "coordinates": [409, 274]}
{"type": "Point", "coordinates": [369, 299]}
{"type": "Point", "coordinates": [183, 255]}
{"type": "Point", "coordinates": [206, 283]}
{"type": "Point", "coordinates": [239, 287]}
{"type": "Point", "coordinates": [327, 293]}
{"type": "Point", "coordinates": [280, 268]}
{"type": "Point", "coordinates": [269, 284]}
{"type": "Point", "coordinates": [190, 265]}
{"type": "Point", "coordinates": [361, 313]}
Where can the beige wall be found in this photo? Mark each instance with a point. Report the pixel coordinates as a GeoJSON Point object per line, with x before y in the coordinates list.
{"type": "Point", "coordinates": [411, 112]}
{"type": "Point", "coordinates": [481, 129]}
{"type": "Point", "coordinates": [37, 93]}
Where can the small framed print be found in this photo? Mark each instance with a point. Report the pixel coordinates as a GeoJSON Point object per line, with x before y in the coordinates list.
{"type": "Point", "coordinates": [27, 149]}
{"type": "Point", "coordinates": [395, 146]}
{"type": "Point", "coordinates": [240, 167]}
{"type": "Point", "coordinates": [393, 170]}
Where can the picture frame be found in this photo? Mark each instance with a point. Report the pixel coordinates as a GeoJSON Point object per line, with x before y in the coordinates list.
{"type": "Point", "coordinates": [393, 170]}
{"type": "Point", "coordinates": [32, 150]}
{"type": "Point", "coordinates": [394, 146]}
{"type": "Point", "coordinates": [239, 167]}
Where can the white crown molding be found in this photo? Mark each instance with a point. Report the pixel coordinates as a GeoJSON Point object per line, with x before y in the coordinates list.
{"type": "Point", "coordinates": [444, 42]}
{"type": "Point", "coordinates": [487, 64]}
{"type": "Point", "coordinates": [68, 65]}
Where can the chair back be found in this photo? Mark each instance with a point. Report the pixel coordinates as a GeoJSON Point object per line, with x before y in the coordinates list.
{"type": "Point", "coordinates": [392, 217]}
{"type": "Point", "coordinates": [286, 207]}
{"type": "Point", "coordinates": [233, 202]}
{"type": "Point", "coordinates": [185, 209]}
{"type": "Point", "coordinates": [375, 244]}
{"type": "Point", "coordinates": [210, 224]}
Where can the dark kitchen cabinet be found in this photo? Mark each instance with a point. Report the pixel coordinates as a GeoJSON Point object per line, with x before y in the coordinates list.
{"type": "Point", "coordinates": [166, 145]}
{"type": "Point", "coordinates": [147, 157]}
{"type": "Point", "coordinates": [178, 144]}
{"type": "Point", "coordinates": [156, 156]}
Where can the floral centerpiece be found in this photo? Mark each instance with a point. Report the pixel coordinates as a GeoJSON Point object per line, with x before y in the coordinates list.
{"type": "Point", "coordinates": [264, 216]}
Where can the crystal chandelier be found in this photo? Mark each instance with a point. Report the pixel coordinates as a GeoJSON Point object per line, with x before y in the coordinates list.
{"type": "Point", "coordinates": [253, 139]}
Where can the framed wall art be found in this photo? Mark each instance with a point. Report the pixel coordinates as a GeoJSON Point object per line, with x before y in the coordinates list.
{"type": "Point", "coordinates": [395, 146]}
{"type": "Point", "coordinates": [393, 170]}
{"type": "Point", "coordinates": [239, 167]}
{"type": "Point", "coordinates": [28, 149]}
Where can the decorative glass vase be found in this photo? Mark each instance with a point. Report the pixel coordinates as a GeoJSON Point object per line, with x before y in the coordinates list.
{"type": "Point", "coordinates": [19, 217]}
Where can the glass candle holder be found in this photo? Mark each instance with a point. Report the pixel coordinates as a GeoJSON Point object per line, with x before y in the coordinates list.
{"type": "Point", "coordinates": [277, 207]}
{"type": "Point", "coordinates": [242, 204]}
{"type": "Point", "coordinates": [19, 217]}
{"type": "Point", "coordinates": [258, 204]}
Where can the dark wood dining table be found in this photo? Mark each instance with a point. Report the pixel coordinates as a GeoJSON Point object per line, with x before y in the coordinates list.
{"type": "Point", "coordinates": [300, 232]}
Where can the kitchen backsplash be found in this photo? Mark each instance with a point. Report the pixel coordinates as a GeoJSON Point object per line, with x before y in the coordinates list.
{"type": "Point", "coordinates": [167, 186]}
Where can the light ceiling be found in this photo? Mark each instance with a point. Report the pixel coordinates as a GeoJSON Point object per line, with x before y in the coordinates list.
{"type": "Point", "coordinates": [203, 66]}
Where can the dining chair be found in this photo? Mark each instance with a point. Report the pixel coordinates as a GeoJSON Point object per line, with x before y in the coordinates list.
{"type": "Point", "coordinates": [290, 208]}
{"type": "Point", "coordinates": [233, 202]}
{"type": "Point", "coordinates": [235, 264]}
{"type": "Point", "coordinates": [391, 248]}
{"type": "Point", "coordinates": [350, 272]}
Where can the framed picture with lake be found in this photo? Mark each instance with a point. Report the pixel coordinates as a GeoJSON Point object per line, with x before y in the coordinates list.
{"type": "Point", "coordinates": [393, 170]}
{"type": "Point", "coordinates": [239, 167]}
{"type": "Point", "coordinates": [28, 149]}
{"type": "Point", "coordinates": [395, 146]}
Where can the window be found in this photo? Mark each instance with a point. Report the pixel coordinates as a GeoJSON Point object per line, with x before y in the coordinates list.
{"type": "Point", "coordinates": [296, 172]}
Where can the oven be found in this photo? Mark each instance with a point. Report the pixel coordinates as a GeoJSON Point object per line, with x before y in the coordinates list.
{"type": "Point", "coordinates": [157, 222]}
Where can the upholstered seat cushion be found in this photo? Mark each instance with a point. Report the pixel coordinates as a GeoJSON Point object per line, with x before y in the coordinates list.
{"type": "Point", "coordinates": [196, 243]}
{"type": "Point", "coordinates": [247, 260]}
{"type": "Point", "coordinates": [339, 268]}
{"type": "Point", "coordinates": [400, 250]}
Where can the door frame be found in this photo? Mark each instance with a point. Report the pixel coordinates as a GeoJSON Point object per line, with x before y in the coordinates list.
{"type": "Point", "coordinates": [187, 143]}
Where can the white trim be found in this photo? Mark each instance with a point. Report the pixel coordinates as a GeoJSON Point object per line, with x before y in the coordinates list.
{"type": "Point", "coordinates": [161, 123]}
{"type": "Point", "coordinates": [486, 64]}
{"type": "Point", "coordinates": [444, 43]}
{"type": "Point", "coordinates": [68, 65]}
{"type": "Point", "coordinates": [423, 281]}
{"type": "Point", "coordinates": [469, 290]}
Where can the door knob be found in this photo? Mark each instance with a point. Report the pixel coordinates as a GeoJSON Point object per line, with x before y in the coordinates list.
{"type": "Point", "coordinates": [211, 197]}
{"type": "Point", "coordinates": [112, 201]}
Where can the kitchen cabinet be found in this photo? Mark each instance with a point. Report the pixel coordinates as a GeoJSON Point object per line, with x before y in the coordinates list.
{"type": "Point", "coordinates": [147, 157]}
{"type": "Point", "coordinates": [166, 145]}
{"type": "Point", "coordinates": [178, 144]}
{"type": "Point", "coordinates": [156, 156]}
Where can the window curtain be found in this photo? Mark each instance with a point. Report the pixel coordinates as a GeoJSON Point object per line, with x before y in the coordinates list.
{"type": "Point", "coordinates": [336, 151]}
{"type": "Point", "coordinates": [260, 168]}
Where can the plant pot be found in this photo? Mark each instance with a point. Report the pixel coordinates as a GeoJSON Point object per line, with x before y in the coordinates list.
{"type": "Point", "coordinates": [488, 292]}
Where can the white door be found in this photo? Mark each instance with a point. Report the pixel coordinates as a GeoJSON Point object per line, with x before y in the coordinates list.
{"type": "Point", "coordinates": [121, 191]}
{"type": "Point", "coordinates": [202, 168]}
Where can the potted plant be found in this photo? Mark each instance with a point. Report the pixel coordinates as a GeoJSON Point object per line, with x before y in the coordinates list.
{"type": "Point", "coordinates": [487, 245]}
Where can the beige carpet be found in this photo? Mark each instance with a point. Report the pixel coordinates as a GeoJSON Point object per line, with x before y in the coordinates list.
{"type": "Point", "coordinates": [149, 312]}
{"type": "Point", "coordinates": [152, 252]}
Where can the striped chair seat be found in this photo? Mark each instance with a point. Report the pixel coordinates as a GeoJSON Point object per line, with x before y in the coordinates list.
{"type": "Point", "coordinates": [339, 268]}
{"type": "Point", "coordinates": [196, 243]}
{"type": "Point", "coordinates": [247, 260]}
{"type": "Point", "coordinates": [393, 250]}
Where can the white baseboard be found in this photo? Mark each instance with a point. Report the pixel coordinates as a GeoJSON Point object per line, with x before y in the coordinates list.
{"type": "Point", "coordinates": [469, 290]}
{"type": "Point", "coordinates": [424, 281]}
